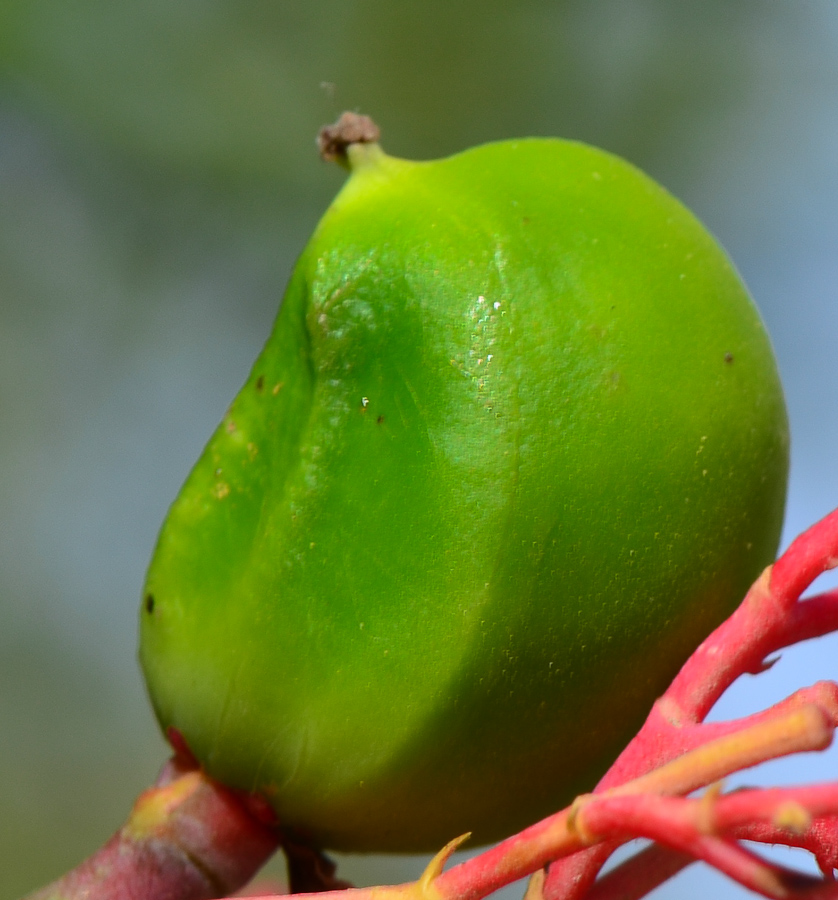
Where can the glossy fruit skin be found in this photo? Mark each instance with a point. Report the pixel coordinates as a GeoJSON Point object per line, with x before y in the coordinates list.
{"type": "Point", "coordinates": [516, 443]}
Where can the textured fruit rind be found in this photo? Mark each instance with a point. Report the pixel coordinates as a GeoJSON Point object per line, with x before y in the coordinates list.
{"type": "Point", "coordinates": [516, 444]}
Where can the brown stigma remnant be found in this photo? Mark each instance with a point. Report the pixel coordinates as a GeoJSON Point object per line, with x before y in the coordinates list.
{"type": "Point", "coordinates": [350, 128]}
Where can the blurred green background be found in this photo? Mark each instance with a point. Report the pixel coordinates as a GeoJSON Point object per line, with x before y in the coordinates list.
{"type": "Point", "coordinates": [158, 177]}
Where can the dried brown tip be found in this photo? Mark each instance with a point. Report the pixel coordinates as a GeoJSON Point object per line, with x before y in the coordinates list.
{"type": "Point", "coordinates": [350, 128]}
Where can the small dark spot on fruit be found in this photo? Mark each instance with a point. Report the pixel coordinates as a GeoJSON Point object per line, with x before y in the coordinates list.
{"type": "Point", "coordinates": [728, 358]}
{"type": "Point", "coordinates": [379, 420]}
{"type": "Point", "coordinates": [525, 220]}
{"type": "Point", "coordinates": [149, 603]}
{"type": "Point", "coordinates": [260, 383]}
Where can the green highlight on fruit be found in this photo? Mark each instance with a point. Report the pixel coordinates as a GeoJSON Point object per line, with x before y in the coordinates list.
{"type": "Point", "coordinates": [515, 445]}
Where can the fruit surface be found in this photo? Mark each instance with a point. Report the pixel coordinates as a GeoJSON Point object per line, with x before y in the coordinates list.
{"type": "Point", "coordinates": [516, 444]}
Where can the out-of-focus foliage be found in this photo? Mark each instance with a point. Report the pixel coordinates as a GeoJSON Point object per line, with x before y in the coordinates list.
{"type": "Point", "coordinates": [222, 91]}
{"type": "Point", "coordinates": [158, 177]}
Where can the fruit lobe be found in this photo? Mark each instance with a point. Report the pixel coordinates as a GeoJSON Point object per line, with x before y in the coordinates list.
{"type": "Point", "coordinates": [515, 445]}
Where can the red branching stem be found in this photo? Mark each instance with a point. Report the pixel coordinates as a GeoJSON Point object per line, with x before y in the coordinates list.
{"type": "Point", "coordinates": [640, 874]}
{"type": "Point", "coordinates": [808, 556]}
{"type": "Point", "coordinates": [806, 727]}
{"type": "Point", "coordinates": [770, 618]}
{"type": "Point", "coordinates": [811, 618]}
{"type": "Point", "coordinates": [759, 627]}
{"type": "Point", "coordinates": [703, 827]}
{"type": "Point", "coordinates": [649, 868]}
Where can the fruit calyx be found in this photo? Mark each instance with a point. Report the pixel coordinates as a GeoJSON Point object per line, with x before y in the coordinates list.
{"type": "Point", "coordinates": [352, 140]}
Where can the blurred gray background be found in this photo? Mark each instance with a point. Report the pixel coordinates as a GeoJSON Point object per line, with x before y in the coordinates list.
{"type": "Point", "coordinates": [157, 179]}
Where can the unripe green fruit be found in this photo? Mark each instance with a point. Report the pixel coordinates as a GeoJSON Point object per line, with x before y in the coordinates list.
{"type": "Point", "coordinates": [515, 446]}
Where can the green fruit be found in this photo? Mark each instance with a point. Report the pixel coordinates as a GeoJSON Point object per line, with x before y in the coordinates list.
{"type": "Point", "coordinates": [516, 444]}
